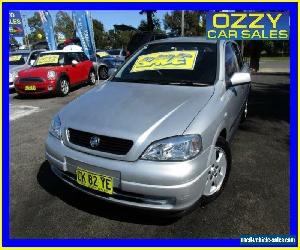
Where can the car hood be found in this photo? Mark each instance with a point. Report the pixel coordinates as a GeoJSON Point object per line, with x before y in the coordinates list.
{"type": "Point", "coordinates": [142, 113]}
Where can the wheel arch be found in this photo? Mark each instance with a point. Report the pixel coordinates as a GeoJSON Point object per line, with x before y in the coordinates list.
{"type": "Point", "coordinates": [64, 75]}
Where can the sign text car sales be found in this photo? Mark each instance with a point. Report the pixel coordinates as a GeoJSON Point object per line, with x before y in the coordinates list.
{"type": "Point", "coordinates": [248, 25]}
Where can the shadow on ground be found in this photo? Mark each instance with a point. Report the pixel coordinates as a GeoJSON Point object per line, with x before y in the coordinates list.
{"type": "Point", "coordinates": [53, 185]}
{"type": "Point", "coordinates": [47, 95]}
{"type": "Point", "coordinates": [270, 101]}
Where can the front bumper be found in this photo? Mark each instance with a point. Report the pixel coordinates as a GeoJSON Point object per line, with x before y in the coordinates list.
{"type": "Point", "coordinates": [41, 87]}
{"type": "Point", "coordinates": [170, 192]}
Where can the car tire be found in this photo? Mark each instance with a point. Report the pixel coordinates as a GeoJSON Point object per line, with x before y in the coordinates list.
{"type": "Point", "coordinates": [219, 171]}
{"type": "Point", "coordinates": [103, 73]}
{"type": "Point", "coordinates": [63, 87]}
{"type": "Point", "coordinates": [92, 77]}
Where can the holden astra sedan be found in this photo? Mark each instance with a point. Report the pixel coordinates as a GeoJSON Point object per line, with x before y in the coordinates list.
{"type": "Point", "coordinates": [55, 72]}
{"type": "Point", "coordinates": [156, 135]}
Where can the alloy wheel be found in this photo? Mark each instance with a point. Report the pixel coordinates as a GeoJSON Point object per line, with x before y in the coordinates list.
{"type": "Point", "coordinates": [92, 77]}
{"type": "Point", "coordinates": [64, 86]}
{"type": "Point", "coordinates": [216, 173]}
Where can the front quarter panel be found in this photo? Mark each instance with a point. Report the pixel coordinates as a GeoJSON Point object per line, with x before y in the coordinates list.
{"type": "Point", "coordinates": [210, 122]}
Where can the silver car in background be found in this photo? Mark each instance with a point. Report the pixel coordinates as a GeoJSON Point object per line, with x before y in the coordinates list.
{"type": "Point", "coordinates": [157, 134]}
{"type": "Point", "coordinates": [20, 60]}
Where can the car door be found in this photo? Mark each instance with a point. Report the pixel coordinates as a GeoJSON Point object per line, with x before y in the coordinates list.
{"type": "Point", "coordinates": [235, 93]}
{"type": "Point", "coordinates": [86, 65]}
{"type": "Point", "coordinates": [73, 71]}
{"type": "Point", "coordinates": [243, 67]}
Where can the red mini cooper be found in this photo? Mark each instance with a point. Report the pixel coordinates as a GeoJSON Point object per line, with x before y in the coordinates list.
{"type": "Point", "coordinates": [55, 72]}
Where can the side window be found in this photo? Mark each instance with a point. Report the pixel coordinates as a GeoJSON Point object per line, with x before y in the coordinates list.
{"type": "Point", "coordinates": [71, 57]}
{"type": "Point", "coordinates": [238, 56]}
{"type": "Point", "coordinates": [231, 65]}
{"type": "Point", "coordinates": [83, 57]}
{"type": "Point", "coordinates": [123, 53]}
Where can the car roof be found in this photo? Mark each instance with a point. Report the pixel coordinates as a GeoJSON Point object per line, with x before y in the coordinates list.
{"type": "Point", "coordinates": [20, 51]}
{"type": "Point", "coordinates": [192, 39]}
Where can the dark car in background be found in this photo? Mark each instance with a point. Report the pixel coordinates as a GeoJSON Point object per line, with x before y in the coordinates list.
{"type": "Point", "coordinates": [105, 64]}
{"type": "Point", "coordinates": [118, 53]}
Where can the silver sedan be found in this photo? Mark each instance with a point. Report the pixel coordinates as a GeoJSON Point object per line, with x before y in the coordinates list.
{"type": "Point", "coordinates": [157, 134]}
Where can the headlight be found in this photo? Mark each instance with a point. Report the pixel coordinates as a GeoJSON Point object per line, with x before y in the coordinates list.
{"type": "Point", "coordinates": [51, 75]}
{"type": "Point", "coordinates": [55, 127]}
{"type": "Point", "coordinates": [177, 148]}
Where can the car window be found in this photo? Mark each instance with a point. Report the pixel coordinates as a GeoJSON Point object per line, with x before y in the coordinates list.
{"type": "Point", "coordinates": [72, 56]}
{"type": "Point", "coordinates": [238, 56]}
{"type": "Point", "coordinates": [114, 52]}
{"type": "Point", "coordinates": [49, 59]}
{"type": "Point", "coordinates": [172, 63]}
{"type": "Point", "coordinates": [18, 59]}
{"type": "Point", "coordinates": [123, 53]}
{"type": "Point", "coordinates": [83, 57]}
{"type": "Point", "coordinates": [231, 64]}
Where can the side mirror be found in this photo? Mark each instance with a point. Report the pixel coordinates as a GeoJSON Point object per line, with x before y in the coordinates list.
{"type": "Point", "coordinates": [74, 62]}
{"type": "Point", "coordinates": [240, 78]}
{"type": "Point", "coordinates": [31, 62]}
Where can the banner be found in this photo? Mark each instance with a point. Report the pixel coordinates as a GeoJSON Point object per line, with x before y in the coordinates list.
{"type": "Point", "coordinates": [48, 29]}
{"type": "Point", "coordinates": [176, 60]}
{"type": "Point", "coordinates": [248, 25]}
{"type": "Point", "coordinates": [84, 30]}
{"type": "Point", "coordinates": [15, 24]}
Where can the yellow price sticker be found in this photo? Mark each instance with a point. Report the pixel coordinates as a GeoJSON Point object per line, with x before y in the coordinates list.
{"type": "Point", "coordinates": [102, 54]}
{"type": "Point", "coordinates": [47, 59]}
{"type": "Point", "coordinates": [15, 58]}
{"type": "Point", "coordinates": [177, 60]}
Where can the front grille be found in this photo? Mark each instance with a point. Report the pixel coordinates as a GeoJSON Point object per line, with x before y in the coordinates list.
{"type": "Point", "coordinates": [31, 79]}
{"type": "Point", "coordinates": [107, 144]}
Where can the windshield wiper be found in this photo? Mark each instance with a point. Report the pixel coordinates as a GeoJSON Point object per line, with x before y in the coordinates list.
{"type": "Point", "coordinates": [188, 83]}
{"type": "Point", "coordinates": [162, 82]}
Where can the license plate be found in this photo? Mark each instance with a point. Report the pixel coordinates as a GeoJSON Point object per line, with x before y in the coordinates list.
{"type": "Point", "coordinates": [30, 87]}
{"type": "Point", "coordinates": [94, 181]}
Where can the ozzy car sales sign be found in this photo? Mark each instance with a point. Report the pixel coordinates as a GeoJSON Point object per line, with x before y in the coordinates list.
{"type": "Point", "coordinates": [248, 25]}
{"type": "Point", "coordinates": [15, 24]}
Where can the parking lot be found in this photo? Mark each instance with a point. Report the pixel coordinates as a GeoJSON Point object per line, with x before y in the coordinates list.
{"type": "Point", "coordinates": [255, 200]}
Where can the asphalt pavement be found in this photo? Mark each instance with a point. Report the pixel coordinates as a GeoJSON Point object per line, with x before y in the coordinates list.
{"type": "Point", "coordinates": [255, 200]}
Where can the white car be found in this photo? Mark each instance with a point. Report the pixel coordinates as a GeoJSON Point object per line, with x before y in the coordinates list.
{"type": "Point", "coordinates": [20, 60]}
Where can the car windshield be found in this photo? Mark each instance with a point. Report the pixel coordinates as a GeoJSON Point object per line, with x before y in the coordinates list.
{"type": "Point", "coordinates": [50, 59]}
{"type": "Point", "coordinates": [172, 63]}
{"type": "Point", "coordinates": [114, 52]}
{"type": "Point", "coordinates": [18, 58]}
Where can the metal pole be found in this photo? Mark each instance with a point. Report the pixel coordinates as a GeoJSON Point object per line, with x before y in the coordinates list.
{"type": "Point", "coordinates": [182, 23]}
